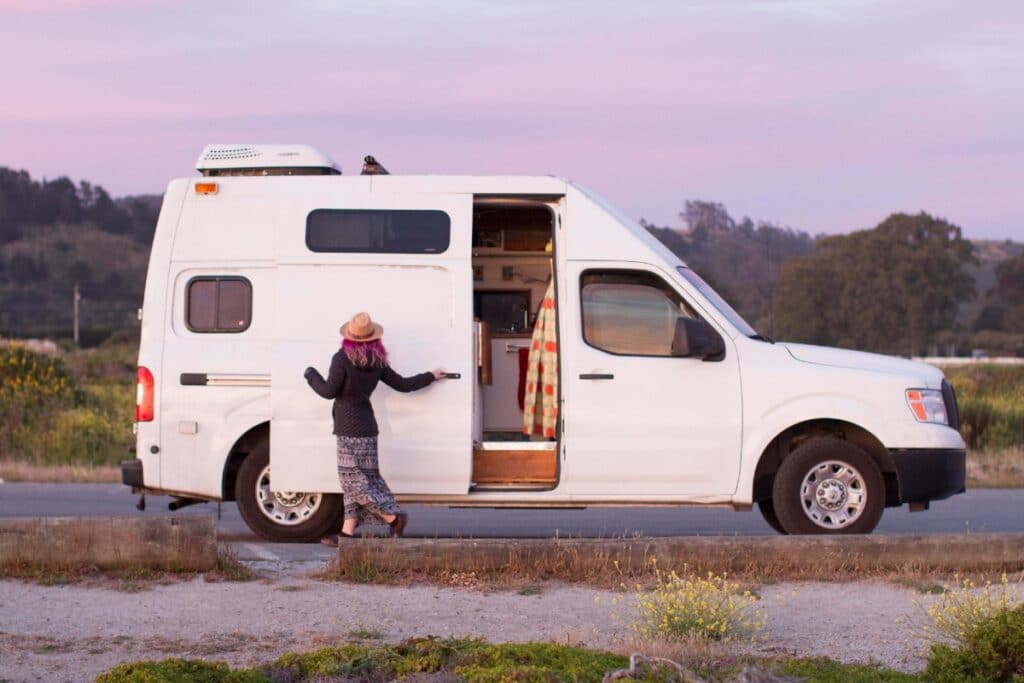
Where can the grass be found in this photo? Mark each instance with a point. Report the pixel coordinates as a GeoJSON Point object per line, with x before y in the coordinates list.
{"type": "Point", "coordinates": [128, 578]}
{"type": "Point", "coordinates": [473, 660]}
{"type": "Point", "coordinates": [526, 566]}
{"type": "Point", "coordinates": [14, 470]}
{"type": "Point", "coordinates": [991, 399]}
{"type": "Point", "coordinates": [996, 469]}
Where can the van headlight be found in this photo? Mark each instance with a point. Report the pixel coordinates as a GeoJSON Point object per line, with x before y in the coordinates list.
{"type": "Point", "coordinates": [927, 405]}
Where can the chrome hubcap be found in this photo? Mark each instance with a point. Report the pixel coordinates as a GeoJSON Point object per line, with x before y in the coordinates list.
{"type": "Point", "coordinates": [833, 494]}
{"type": "Point", "coordinates": [287, 508]}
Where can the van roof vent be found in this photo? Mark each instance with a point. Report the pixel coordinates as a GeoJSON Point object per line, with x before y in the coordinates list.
{"type": "Point", "coordinates": [222, 160]}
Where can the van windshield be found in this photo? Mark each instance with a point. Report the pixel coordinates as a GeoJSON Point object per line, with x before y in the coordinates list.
{"type": "Point", "coordinates": [718, 302]}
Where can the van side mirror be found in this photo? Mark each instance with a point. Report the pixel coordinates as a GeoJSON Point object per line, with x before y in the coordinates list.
{"type": "Point", "coordinates": [696, 339]}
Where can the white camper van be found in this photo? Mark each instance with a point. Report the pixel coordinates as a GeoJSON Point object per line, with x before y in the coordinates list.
{"type": "Point", "coordinates": [665, 395]}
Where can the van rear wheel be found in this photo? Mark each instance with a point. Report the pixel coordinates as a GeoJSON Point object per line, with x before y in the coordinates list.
{"type": "Point", "coordinates": [828, 486]}
{"type": "Point", "coordinates": [283, 516]}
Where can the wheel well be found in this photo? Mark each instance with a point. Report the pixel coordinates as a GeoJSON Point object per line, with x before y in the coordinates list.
{"type": "Point", "coordinates": [786, 442]}
{"type": "Point", "coordinates": [248, 441]}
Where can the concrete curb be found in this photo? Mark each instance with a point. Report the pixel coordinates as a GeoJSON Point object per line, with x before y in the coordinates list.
{"type": "Point", "coordinates": [155, 542]}
{"type": "Point", "coordinates": [792, 555]}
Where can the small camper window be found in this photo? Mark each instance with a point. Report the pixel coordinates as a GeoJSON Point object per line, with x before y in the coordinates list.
{"type": "Point", "coordinates": [218, 304]}
{"type": "Point", "coordinates": [378, 231]}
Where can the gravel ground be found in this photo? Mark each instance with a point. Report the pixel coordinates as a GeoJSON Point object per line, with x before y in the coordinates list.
{"type": "Point", "coordinates": [74, 632]}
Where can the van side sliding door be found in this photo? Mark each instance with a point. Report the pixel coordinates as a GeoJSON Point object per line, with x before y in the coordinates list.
{"type": "Point", "coordinates": [404, 259]}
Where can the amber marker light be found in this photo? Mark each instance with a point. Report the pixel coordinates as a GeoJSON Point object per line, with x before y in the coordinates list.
{"type": "Point", "coordinates": [206, 188]}
{"type": "Point", "coordinates": [927, 405]}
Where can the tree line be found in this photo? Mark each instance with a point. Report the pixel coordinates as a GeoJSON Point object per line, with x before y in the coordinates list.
{"type": "Point", "coordinates": [900, 287]}
{"type": "Point", "coordinates": [55, 234]}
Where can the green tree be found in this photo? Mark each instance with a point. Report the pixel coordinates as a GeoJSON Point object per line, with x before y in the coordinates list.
{"type": "Point", "coordinates": [890, 289]}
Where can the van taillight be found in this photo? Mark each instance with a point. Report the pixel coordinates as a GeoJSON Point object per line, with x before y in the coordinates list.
{"type": "Point", "coordinates": [144, 395]}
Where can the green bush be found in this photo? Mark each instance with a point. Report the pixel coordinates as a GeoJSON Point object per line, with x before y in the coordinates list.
{"type": "Point", "coordinates": [991, 399]}
{"type": "Point", "coordinates": [711, 607]}
{"type": "Point", "coordinates": [33, 388]}
{"type": "Point", "coordinates": [993, 650]}
{"type": "Point", "coordinates": [49, 416]}
{"type": "Point", "coordinates": [178, 671]}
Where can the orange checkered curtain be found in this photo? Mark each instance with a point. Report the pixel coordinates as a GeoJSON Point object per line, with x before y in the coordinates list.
{"type": "Point", "coordinates": [540, 403]}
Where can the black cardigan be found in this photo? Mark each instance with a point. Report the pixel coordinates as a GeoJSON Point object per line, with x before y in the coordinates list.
{"type": "Point", "coordinates": [351, 386]}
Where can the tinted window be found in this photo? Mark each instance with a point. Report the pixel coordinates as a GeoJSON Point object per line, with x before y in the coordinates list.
{"type": "Point", "coordinates": [218, 304]}
{"type": "Point", "coordinates": [380, 232]}
{"type": "Point", "coordinates": [630, 312]}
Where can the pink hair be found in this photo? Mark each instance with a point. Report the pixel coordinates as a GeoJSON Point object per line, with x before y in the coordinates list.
{"type": "Point", "coordinates": [366, 354]}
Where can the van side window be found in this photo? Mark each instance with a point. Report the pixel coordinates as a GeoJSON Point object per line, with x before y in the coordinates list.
{"type": "Point", "coordinates": [218, 304]}
{"type": "Point", "coordinates": [630, 312]}
{"type": "Point", "coordinates": [378, 231]}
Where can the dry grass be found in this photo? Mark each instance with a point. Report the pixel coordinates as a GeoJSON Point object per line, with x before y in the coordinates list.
{"type": "Point", "coordinates": [527, 567]}
{"type": "Point", "coordinates": [129, 577]}
{"type": "Point", "coordinates": [996, 469]}
{"type": "Point", "coordinates": [13, 470]}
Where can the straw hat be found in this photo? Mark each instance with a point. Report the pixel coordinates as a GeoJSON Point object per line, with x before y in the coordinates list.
{"type": "Point", "coordinates": [361, 329]}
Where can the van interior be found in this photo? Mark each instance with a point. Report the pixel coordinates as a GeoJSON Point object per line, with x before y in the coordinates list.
{"type": "Point", "coordinates": [512, 269]}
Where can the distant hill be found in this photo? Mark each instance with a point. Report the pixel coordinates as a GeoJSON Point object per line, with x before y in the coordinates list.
{"type": "Point", "coordinates": [54, 234]}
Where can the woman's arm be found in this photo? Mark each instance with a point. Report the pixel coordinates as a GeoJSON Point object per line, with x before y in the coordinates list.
{"type": "Point", "coordinates": [406, 384]}
{"type": "Point", "coordinates": [332, 386]}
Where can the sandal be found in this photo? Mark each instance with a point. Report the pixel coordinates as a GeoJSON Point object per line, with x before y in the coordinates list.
{"type": "Point", "coordinates": [334, 540]}
{"type": "Point", "coordinates": [398, 524]}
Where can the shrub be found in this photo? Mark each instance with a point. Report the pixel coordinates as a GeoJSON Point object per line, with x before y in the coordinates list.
{"type": "Point", "coordinates": [33, 387]}
{"type": "Point", "coordinates": [178, 671]}
{"type": "Point", "coordinates": [712, 607]}
{"type": "Point", "coordinates": [957, 614]}
{"type": "Point", "coordinates": [991, 399]}
{"type": "Point", "coordinates": [992, 650]}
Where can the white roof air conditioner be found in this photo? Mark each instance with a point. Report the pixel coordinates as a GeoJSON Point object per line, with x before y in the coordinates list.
{"type": "Point", "coordinates": [222, 160]}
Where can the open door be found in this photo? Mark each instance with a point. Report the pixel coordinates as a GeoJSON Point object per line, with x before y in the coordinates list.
{"type": "Point", "coordinates": [405, 259]}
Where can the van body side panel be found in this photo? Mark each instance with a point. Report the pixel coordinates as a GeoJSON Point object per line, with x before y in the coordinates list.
{"type": "Point", "coordinates": [423, 301]}
{"type": "Point", "coordinates": [155, 320]}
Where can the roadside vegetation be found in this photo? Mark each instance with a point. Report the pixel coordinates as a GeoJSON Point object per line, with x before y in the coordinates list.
{"type": "Point", "coordinates": [976, 634]}
{"type": "Point", "coordinates": [133, 577]}
{"type": "Point", "coordinates": [66, 413]}
{"type": "Point", "coordinates": [464, 659]}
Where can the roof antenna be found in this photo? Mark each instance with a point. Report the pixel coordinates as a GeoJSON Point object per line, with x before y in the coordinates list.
{"type": "Point", "coordinates": [372, 167]}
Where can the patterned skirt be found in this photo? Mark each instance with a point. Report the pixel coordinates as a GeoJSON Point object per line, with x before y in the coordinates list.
{"type": "Point", "coordinates": [366, 494]}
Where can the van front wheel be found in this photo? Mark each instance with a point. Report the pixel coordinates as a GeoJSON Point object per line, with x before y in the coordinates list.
{"type": "Point", "coordinates": [828, 486]}
{"type": "Point", "coordinates": [283, 516]}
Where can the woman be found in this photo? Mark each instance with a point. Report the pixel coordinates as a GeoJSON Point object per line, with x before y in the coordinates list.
{"type": "Point", "coordinates": [355, 371]}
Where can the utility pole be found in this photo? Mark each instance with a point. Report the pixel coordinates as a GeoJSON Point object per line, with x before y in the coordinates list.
{"type": "Point", "coordinates": [77, 298]}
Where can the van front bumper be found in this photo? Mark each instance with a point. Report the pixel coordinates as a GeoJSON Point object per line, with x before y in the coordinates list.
{"type": "Point", "coordinates": [926, 474]}
{"type": "Point", "coordinates": [131, 473]}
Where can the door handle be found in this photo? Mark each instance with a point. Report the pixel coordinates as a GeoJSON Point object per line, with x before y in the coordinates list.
{"type": "Point", "coordinates": [597, 375]}
{"type": "Point", "coordinates": [452, 375]}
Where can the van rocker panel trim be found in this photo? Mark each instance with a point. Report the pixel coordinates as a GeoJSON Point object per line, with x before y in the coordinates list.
{"type": "Point", "coordinates": [926, 474]}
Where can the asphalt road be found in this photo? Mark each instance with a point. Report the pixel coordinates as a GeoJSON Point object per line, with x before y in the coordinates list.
{"type": "Point", "coordinates": [983, 510]}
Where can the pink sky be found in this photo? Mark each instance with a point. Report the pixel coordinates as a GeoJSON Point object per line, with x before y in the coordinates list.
{"type": "Point", "coordinates": [826, 116]}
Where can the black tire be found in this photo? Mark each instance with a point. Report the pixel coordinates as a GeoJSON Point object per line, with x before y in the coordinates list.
{"type": "Point", "coordinates": [308, 520]}
{"type": "Point", "coordinates": [768, 512]}
{"type": "Point", "coordinates": [814, 513]}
